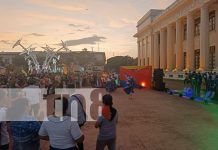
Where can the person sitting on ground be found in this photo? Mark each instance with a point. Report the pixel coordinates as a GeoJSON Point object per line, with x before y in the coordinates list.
{"type": "Point", "coordinates": [107, 125]}
{"type": "Point", "coordinates": [60, 130]}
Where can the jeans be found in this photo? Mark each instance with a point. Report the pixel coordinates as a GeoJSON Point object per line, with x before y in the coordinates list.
{"type": "Point", "coordinates": [4, 147]}
{"type": "Point", "coordinates": [33, 145]}
{"type": "Point", "coordinates": [101, 144]}
{"type": "Point", "coordinates": [73, 148]}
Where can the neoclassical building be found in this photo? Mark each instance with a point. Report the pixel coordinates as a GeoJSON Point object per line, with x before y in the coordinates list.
{"type": "Point", "coordinates": [183, 37]}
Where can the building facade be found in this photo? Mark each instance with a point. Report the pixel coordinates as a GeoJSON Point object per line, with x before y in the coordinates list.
{"type": "Point", "coordinates": [183, 37]}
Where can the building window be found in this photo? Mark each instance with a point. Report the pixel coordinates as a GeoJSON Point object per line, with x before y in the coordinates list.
{"type": "Point", "coordinates": [185, 60]}
{"type": "Point", "coordinates": [185, 32]}
{"type": "Point", "coordinates": [197, 59]}
{"type": "Point", "coordinates": [197, 26]}
{"type": "Point", "coordinates": [212, 20]}
{"type": "Point", "coordinates": [212, 57]}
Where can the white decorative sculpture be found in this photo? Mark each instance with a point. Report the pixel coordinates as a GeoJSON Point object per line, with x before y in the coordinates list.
{"type": "Point", "coordinates": [29, 55]}
{"type": "Point", "coordinates": [51, 57]}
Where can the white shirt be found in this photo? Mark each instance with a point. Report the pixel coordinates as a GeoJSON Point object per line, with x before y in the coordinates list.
{"type": "Point", "coordinates": [62, 133]}
{"type": "Point", "coordinates": [33, 94]}
{"type": "Point", "coordinates": [75, 109]}
{"type": "Point", "coordinates": [3, 114]}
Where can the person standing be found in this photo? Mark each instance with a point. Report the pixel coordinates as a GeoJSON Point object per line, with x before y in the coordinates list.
{"type": "Point", "coordinates": [216, 84]}
{"type": "Point", "coordinates": [76, 110]}
{"type": "Point", "coordinates": [198, 84]}
{"type": "Point", "coordinates": [33, 94]}
{"type": "Point", "coordinates": [60, 130]}
{"type": "Point", "coordinates": [4, 136]}
{"type": "Point", "coordinates": [107, 123]}
{"type": "Point", "coordinates": [24, 127]}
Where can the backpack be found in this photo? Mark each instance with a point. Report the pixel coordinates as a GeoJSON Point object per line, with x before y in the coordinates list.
{"type": "Point", "coordinates": [78, 99]}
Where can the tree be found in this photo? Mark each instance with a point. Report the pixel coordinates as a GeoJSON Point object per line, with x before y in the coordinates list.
{"type": "Point", "coordinates": [114, 63]}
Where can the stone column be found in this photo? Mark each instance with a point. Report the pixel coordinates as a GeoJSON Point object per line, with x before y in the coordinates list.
{"type": "Point", "coordinates": [163, 49]}
{"type": "Point", "coordinates": [146, 51]}
{"type": "Point", "coordinates": [179, 46]}
{"type": "Point", "coordinates": [152, 51]}
{"type": "Point", "coordinates": [156, 51]}
{"type": "Point", "coordinates": [142, 53]}
{"type": "Point", "coordinates": [190, 42]}
{"type": "Point", "coordinates": [204, 38]}
{"type": "Point", "coordinates": [139, 52]}
{"type": "Point", "coordinates": [170, 51]}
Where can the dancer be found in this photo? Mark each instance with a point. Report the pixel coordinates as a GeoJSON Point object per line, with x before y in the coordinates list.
{"type": "Point", "coordinates": [129, 86]}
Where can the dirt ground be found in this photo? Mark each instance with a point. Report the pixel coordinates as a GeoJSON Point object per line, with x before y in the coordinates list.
{"type": "Point", "coordinates": [156, 121]}
{"type": "Point", "coordinates": [174, 84]}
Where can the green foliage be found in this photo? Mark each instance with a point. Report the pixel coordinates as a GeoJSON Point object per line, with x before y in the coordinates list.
{"type": "Point", "coordinates": [114, 63]}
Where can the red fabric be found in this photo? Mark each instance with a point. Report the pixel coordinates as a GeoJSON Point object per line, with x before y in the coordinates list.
{"type": "Point", "coordinates": [142, 75]}
{"type": "Point", "coordinates": [106, 112]}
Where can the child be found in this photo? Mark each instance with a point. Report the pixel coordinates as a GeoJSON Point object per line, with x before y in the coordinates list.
{"type": "Point", "coordinates": [107, 125]}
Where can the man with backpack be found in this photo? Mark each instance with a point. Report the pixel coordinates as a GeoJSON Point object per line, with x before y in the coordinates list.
{"type": "Point", "coordinates": [76, 110]}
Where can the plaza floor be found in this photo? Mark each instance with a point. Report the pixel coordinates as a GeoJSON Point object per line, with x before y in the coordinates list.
{"type": "Point", "coordinates": [157, 121]}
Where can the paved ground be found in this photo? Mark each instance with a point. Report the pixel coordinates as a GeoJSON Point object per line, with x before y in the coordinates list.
{"type": "Point", "coordinates": [157, 121]}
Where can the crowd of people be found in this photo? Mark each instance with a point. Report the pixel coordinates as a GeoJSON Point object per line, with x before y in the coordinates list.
{"type": "Point", "coordinates": [73, 80]}
{"type": "Point", "coordinates": [199, 81]}
{"type": "Point", "coordinates": [23, 131]}
{"type": "Point", "coordinates": [112, 82]}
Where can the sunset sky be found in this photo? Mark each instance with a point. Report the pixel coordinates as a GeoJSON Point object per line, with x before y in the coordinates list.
{"type": "Point", "coordinates": [82, 23]}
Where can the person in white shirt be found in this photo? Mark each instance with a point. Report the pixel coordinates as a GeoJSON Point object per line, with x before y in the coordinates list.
{"type": "Point", "coordinates": [62, 132]}
{"type": "Point", "coordinates": [76, 110]}
{"type": "Point", "coordinates": [33, 93]}
{"type": "Point", "coordinates": [4, 135]}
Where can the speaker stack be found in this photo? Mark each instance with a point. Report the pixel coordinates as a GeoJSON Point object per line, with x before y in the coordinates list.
{"type": "Point", "coordinates": [158, 80]}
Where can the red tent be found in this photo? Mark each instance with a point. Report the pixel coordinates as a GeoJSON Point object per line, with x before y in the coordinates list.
{"type": "Point", "coordinates": [142, 74]}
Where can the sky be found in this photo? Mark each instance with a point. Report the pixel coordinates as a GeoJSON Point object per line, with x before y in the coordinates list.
{"type": "Point", "coordinates": [104, 25]}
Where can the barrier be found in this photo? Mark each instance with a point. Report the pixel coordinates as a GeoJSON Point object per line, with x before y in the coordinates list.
{"type": "Point", "coordinates": [141, 74]}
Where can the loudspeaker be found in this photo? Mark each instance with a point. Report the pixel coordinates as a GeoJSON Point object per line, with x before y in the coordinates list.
{"type": "Point", "coordinates": [158, 80]}
{"type": "Point", "coordinates": [158, 75]}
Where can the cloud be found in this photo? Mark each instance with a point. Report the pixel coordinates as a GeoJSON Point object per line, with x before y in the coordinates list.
{"type": "Point", "coordinates": [69, 6]}
{"type": "Point", "coordinates": [35, 34]}
{"type": "Point", "coordinates": [88, 40]}
{"type": "Point", "coordinates": [75, 25]}
{"type": "Point", "coordinates": [5, 42]}
{"type": "Point", "coordinates": [84, 27]}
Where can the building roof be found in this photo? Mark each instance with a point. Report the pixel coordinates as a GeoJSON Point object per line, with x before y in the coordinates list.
{"type": "Point", "coordinates": [156, 14]}
{"type": "Point", "coordinates": [152, 13]}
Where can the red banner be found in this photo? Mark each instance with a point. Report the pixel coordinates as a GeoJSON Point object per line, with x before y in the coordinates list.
{"type": "Point", "coordinates": [141, 74]}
